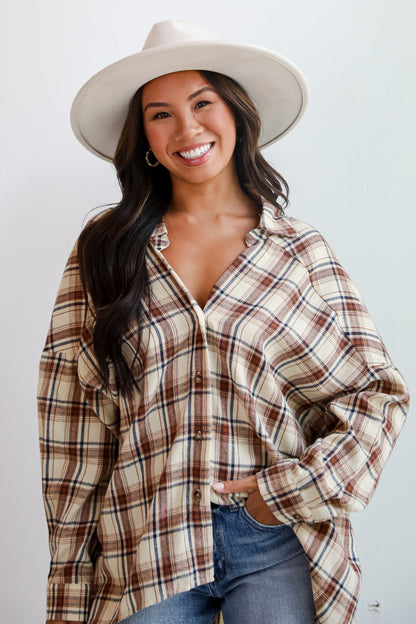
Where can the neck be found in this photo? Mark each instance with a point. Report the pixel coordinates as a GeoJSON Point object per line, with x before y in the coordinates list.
{"type": "Point", "coordinates": [209, 199]}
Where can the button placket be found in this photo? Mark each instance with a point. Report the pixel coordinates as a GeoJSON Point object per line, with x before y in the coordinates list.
{"type": "Point", "coordinates": [200, 407]}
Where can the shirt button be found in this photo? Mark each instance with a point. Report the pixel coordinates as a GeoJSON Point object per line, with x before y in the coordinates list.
{"type": "Point", "coordinates": [197, 495]}
{"type": "Point", "coordinates": [297, 517]}
{"type": "Point", "coordinates": [198, 378]}
{"type": "Point", "coordinates": [198, 436]}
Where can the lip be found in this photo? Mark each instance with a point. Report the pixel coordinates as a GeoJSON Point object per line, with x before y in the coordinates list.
{"type": "Point", "coordinates": [198, 160]}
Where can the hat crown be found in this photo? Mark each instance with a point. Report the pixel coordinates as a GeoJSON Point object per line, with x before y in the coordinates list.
{"type": "Point", "coordinates": [171, 32]}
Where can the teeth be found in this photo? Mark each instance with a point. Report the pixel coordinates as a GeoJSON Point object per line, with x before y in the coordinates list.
{"type": "Point", "coordinates": [198, 151]}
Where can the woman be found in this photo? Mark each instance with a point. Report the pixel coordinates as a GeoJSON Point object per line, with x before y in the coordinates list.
{"type": "Point", "coordinates": [214, 399]}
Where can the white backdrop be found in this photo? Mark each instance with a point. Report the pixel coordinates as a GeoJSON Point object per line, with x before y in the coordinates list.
{"type": "Point", "coordinates": [348, 163]}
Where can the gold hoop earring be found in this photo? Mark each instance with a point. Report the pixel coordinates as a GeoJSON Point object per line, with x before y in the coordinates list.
{"type": "Point", "coordinates": [149, 151]}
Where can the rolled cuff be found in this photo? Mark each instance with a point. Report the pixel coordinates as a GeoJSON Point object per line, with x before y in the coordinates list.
{"type": "Point", "coordinates": [279, 490]}
{"type": "Point", "coordinates": [68, 601]}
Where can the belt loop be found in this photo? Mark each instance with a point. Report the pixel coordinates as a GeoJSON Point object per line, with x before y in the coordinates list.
{"type": "Point", "coordinates": [234, 507]}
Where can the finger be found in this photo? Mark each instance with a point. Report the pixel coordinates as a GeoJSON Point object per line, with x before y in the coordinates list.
{"type": "Point", "coordinates": [249, 484]}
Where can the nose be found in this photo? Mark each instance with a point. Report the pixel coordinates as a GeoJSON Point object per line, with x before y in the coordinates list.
{"type": "Point", "coordinates": [187, 127]}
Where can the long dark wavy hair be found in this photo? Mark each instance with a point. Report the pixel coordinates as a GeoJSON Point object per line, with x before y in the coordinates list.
{"type": "Point", "coordinates": [112, 248]}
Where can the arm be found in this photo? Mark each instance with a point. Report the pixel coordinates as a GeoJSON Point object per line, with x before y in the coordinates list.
{"type": "Point", "coordinates": [338, 472]}
{"type": "Point", "coordinates": [78, 451]}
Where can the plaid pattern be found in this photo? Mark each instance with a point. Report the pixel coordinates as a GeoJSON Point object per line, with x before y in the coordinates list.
{"type": "Point", "coordinates": [282, 374]}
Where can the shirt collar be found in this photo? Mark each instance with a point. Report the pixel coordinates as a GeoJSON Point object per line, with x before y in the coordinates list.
{"type": "Point", "coordinates": [159, 237]}
{"type": "Point", "coordinates": [272, 222]}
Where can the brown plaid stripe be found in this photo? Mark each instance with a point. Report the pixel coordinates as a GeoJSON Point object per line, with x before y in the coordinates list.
{"type": "Point", "coordinates": [282, 374]}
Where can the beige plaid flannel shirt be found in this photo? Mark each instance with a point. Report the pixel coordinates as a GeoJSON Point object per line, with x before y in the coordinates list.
{"type": "Point", "coordinates": [282, 375]}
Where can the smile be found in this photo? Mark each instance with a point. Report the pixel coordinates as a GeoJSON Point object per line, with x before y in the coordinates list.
{"type": "Point", "coordinates": [197, 152]}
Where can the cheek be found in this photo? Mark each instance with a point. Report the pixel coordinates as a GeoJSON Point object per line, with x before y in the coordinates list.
{"type": "Point", "coordinates": [228, 126]}
{"type": "Point", "coordinates": [154, 136]}
{"type": "Point", "coordinates": [230, 135]}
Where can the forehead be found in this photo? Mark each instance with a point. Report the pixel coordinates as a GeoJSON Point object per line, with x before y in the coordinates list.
{"type": "Point", "coordinates": [174, 83]}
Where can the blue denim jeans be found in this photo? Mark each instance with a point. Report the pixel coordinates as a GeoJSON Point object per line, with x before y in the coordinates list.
{"type": "Point", "coordinates": [261, 577]}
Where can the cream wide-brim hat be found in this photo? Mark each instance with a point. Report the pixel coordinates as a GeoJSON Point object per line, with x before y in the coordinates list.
{"type": "Point", "coordinates": [275, 85]}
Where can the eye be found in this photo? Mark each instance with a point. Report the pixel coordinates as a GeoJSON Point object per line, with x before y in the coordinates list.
{"type": "Point", "coordinates": [202, 103]}
{"type": "Point", "coordinates": [161, 115]}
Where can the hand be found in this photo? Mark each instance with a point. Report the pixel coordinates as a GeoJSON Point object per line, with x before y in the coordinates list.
{"type": "Point", "coordinates": [255, 504]}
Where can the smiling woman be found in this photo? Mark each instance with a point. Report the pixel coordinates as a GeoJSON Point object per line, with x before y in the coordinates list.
{"type": "Point", "coordinates": [214, 399]}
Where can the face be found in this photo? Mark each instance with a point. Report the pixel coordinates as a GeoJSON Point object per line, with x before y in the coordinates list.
{"type": "Point", "coordinates": [189, 127]}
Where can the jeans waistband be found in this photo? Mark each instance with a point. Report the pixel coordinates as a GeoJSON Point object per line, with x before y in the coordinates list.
{"type": "Point", "coordinates": [231, 508]}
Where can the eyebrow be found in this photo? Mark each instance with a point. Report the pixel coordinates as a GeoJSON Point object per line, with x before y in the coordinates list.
{"type": "Point", "coordinates": [189, 98]}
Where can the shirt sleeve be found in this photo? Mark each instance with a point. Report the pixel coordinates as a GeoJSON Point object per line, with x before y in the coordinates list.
{"type": "Point", "coordinates": [78, 447]}
{"type": "Point", "coordinates": [339, 471]}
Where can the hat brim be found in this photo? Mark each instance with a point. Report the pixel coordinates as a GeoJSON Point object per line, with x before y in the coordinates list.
{"type": "Point", "coordinates": [276, 86]}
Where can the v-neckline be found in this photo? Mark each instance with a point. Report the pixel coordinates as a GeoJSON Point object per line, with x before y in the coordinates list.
{"type": "Point", "coordinates": [217, 284]}
{"type": "Point", "coordinates": [269, 223]}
